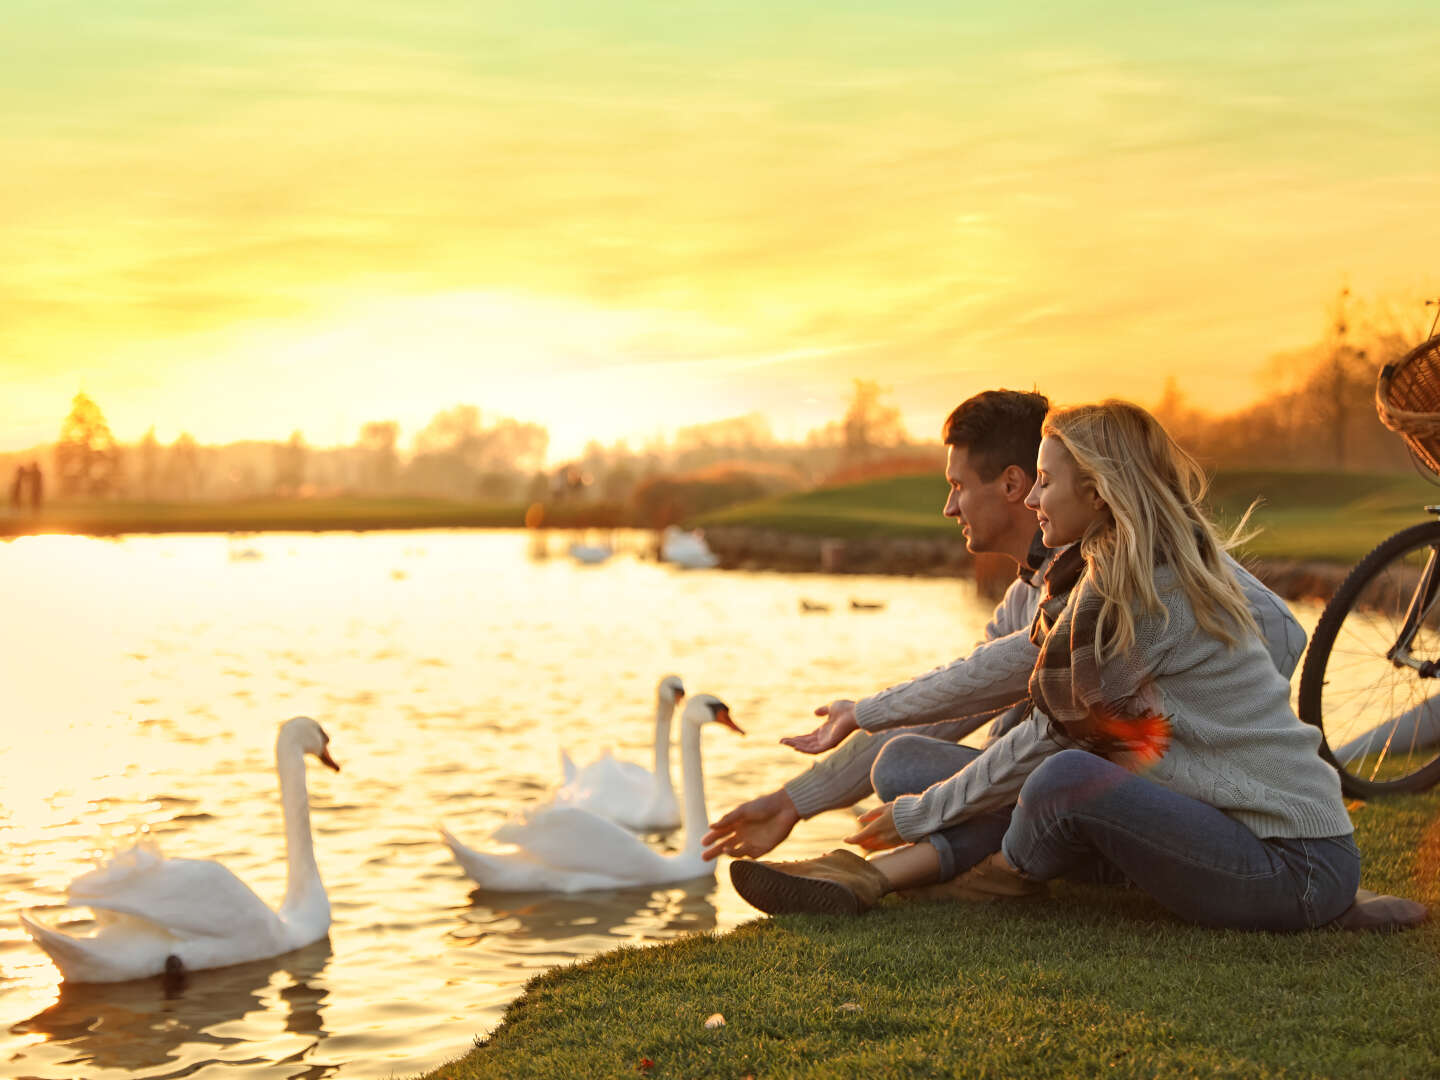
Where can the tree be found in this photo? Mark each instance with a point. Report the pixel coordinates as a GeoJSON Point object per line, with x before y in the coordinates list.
{"type": "Point", "coordinates": [290, 465]}
{"type": "Point", "coordinates": [381, 463]}
{"type": "Point", "coordinates": [149, 454]}
{"type": "Point", "coordinates": [868, 424]}
{"type": "Point", "coordinates": [87, 457]}
{"type": "Point", "coordinates": [456, 455]}
{"type": "Point", "coordinates": [183, 475]}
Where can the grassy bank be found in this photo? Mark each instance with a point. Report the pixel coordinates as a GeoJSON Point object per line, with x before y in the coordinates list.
{"type": "Point", "coordinates": [1089, 982]}
{"type": "Point", "coordinates": [1322, 516]}
{"type": "Point", "coordinates": [291, 515]}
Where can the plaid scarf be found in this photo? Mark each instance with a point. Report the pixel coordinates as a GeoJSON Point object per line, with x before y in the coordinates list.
{"type": "Point", "coordinates": [1065, 684]}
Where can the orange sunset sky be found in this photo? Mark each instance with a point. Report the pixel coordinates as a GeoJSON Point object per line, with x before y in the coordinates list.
{"type": "Point", "coordinates": [244, 219]}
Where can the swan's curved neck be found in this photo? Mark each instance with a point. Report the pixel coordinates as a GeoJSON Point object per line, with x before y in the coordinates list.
{"type": "Point", "coordinates": [303, 887]}
{"type": "Point", "coordinates": [693, 777]}
{"type": "Point", "coordinates": [664, 713]}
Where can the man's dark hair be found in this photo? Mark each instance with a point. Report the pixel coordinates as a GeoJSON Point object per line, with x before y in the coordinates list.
{"type": "Point", "coordinates": [998, 428]}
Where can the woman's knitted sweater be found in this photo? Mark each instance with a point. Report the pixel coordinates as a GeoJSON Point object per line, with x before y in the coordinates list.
{"type": "Point", "coordinates": [1236, 743]}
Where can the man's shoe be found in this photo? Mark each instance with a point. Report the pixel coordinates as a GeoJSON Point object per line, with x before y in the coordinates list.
{"type": "Point", "coordinates": [989, 879]}
{"type": "Point", "coordinates": [1377, 911]}
{"type": "Point", "coordinates": [840, 883]}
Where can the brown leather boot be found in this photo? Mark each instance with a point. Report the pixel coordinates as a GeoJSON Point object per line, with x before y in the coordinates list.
{"type": "Point", "coordinates": [991, 878]}
{"type": "Point", "coordinates": [1377, 911]}
{"type": "Point", "coordinates": [838, 883]}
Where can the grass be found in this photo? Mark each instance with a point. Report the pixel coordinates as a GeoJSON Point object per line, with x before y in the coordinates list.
{"type": "Point", "coordinates": [1089, 982]}
{"type": "Point", "coordinates": [288, 515]}
{"type": "Point", "coordinates": [1314, 515]}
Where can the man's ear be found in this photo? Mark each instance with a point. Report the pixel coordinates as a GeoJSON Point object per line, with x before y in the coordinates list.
{"type": "Point", "coordinates": [1015, 482]}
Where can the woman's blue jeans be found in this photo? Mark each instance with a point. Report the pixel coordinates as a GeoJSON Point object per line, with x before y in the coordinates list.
{"type": "Point", "coordinates": [1079, 814]}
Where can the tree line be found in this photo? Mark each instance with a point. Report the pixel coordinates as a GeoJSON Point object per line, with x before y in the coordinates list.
{"type": "Point", "coordinates": [460, 453]}
{"type": "Point", "coordinates": [1317, 412]}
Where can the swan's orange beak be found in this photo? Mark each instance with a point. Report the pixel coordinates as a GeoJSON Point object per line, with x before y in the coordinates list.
{"type": "Point", "coordinates": [326, 759]}
{"type": "Point", "coordinates": [722, 716]}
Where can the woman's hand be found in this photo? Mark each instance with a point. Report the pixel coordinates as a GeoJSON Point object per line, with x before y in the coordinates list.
{"type": "Point", "coordinates": [878, 833]}
{"type": "Point", "coordinates": [840, 723]}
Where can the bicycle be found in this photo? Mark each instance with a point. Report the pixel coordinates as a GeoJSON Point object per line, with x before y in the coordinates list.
{"type": "Point", "coordinates": [1371, 678]}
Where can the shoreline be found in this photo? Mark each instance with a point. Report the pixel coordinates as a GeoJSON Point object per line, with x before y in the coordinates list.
{"type": "Point", "coordinates": [745, 548]}
{"type": "Point", "coordinates": [738, 547]}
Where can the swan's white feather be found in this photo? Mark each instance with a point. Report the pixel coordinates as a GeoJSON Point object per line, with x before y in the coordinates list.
{"type": "Point", "coordinates": [624, 791]}
{"type": "Point", "coordinates": [568, 838]}
{"type": "Point", "coordinates": [621, 791]}
{"type": "Point", "coordinates": [184, 897]}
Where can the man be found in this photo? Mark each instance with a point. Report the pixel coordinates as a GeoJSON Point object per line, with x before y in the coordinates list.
{"type": "Point", "coordinates": [992, 440]}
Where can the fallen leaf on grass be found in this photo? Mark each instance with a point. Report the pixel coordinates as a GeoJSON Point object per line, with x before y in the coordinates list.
{"type": "Point", "coordinates": [715, 1020]}
{"type": "Point", "coordinates": [645, 1065]}
{"type": "Point", "coordinates": [850, 1006]}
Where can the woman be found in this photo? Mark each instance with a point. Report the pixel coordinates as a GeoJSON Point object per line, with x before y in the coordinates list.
{"type": "Point", "coordinates": [1162, 746]}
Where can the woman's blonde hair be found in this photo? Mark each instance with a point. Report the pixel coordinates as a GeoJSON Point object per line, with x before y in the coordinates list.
{"type": "Point", "coordinates": [1152, 488]}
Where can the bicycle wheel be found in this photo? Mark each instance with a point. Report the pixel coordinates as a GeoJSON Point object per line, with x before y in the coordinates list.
{"type": "Point", "coordinates": [1366, 684]}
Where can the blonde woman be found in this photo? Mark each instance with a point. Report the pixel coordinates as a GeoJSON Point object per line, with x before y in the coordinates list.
{"type": "Point", "coordinates": [1162, 748]}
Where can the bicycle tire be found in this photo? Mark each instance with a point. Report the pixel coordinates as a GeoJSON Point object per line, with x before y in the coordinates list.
{"type": "Point", "coordinates": [1375, 723]}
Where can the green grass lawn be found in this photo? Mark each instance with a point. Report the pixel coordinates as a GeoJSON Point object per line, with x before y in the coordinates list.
{"type": "Point", "coordinates": [103, 518]}
{"type": "Point", "coordinates": [1324, 516]}
{"type": "Point", "coordinates": [1089, 982]}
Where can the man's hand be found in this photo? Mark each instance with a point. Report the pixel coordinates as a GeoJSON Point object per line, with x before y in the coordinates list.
{"type": "Point", "coordinates": [752, 828]}
{"type": "Point", "coordinates": [879, 832]}
{"type": "Point", "coordinates": [840, 723]}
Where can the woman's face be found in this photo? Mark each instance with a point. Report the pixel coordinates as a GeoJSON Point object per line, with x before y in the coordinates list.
{"type": "Point", "coordinates": [1063, 505]}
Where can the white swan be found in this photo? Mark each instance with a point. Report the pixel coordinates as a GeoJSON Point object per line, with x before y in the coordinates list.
{"type": "Point", "coordinates": [686, 549]}
{"type": "Point", "coordinates": [590, 554]}
{"type": "Point", "coordinates": [564, 849]}
{"type": "Point", "coordinates": [623, 791]}
{"type": "Point", "coordinates": [156, 915]}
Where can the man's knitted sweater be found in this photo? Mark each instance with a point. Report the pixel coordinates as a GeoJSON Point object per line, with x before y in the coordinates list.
{"type": "Point", "coordinates": [1236, 743]}
{"type": "Point", "coordinates": [842, 777]}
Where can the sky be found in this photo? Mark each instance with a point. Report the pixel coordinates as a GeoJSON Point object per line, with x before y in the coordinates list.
{"type": "Point", "coordinates": [242, 220]}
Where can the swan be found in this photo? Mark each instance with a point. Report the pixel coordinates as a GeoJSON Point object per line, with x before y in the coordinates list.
{"type": "Point", "coordinates": [623, 791]}
{"type": "Point", "coordinates": [590, 554]}
{"type": "Point", "coordinates": [567, 849]}
{"type": "Point", "coordinates": [156, 915]}
{"type": "Point", "coordinates": [687, 550]}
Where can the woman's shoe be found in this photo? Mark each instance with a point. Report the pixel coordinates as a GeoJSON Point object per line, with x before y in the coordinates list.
{"type": "Point", "coordinates": [839, 883]}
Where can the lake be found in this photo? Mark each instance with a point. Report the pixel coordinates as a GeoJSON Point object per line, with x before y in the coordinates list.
{"type": "Point", "coordinates": [145, 679]}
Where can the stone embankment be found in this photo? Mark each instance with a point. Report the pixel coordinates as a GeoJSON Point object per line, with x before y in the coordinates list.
{"type": "Point", "coordinates": [741, 548]}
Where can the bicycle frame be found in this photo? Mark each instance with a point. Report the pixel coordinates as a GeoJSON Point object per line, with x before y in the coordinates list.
{"type": "Point", "coordinates": [1422, 605]}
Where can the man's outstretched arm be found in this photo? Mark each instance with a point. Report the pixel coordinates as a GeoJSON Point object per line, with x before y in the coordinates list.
{"type": "Point", "coordinates": [839, 780]}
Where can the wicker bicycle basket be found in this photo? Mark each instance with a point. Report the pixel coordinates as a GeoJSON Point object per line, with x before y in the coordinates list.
{"type": "Point", "coordinates": [1407, 397]}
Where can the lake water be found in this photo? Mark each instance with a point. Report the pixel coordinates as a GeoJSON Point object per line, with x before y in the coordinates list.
{"type": "Point", "coordinates": [144, 679]}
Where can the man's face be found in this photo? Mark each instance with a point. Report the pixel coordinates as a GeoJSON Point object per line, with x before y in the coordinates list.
{"type": "Point", "coordinates": [980, 507]}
